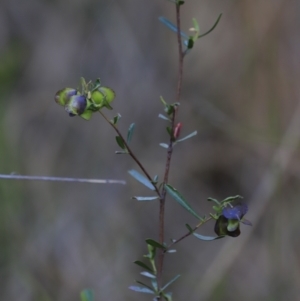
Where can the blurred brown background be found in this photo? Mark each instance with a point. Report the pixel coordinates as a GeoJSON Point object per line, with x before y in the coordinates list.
{"type": "Point", "coordinates": [241, 92]}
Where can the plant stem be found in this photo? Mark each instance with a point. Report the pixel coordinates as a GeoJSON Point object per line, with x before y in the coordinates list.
{"type": "Point", "coordinates": [132, 155]}
{"type": "Point", "coordinates": [187, 234]}
{"type": "Point", "coordinates": [169, 153]}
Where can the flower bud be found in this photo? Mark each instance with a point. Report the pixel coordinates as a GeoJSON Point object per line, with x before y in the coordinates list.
{"type": "Point", "coordinates": [63, 96]}
{"type": "Point", "coordinates": [177, 130]}
{"type": "Point", "coordinates": [76, 105]}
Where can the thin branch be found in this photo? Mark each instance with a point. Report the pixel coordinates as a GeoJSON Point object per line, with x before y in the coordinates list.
{"type": "Point", "coordinates": [61, 179]}
{"type": "Point", "coordinates": [187, 234]}
{"type": "Point", "coordinates": [132, 155]}
{"type": "Point", "coordinates": [170, 151]}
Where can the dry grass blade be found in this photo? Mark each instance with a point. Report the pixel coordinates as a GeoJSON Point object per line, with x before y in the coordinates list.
{"type": "Point", "coordinates": [61, 179]}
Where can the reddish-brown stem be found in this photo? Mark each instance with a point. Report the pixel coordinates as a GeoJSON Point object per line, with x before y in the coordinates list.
{"type": "Point", "coordinates": [132, 155]}
{"type": "Point", "coordinates": [169, 153]}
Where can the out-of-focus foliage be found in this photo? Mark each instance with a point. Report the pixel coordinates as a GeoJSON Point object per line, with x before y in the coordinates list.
{"type": "Point", "coordinates": [241, 93]}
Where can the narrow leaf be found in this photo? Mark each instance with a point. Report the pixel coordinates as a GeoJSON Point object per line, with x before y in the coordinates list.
{"type": "Point", "coordinates": [170, 282]}
{"type": "Point", "coordinates": [145, 198]}
{"type": "Point", "coordinates": [155, 244]}
{"type": "Point", "coordinates": [171, 26]}
{"type": "Point", "coordinates": [121, 152]}
{"type": "Point", "coordinates": [120, 142]}
{"type": "Point", "coordinates": [163, 101]}
{"type": "Point", "coordinates": [149, 275]}
{"type": "Point", "coordinates": [189, 228]}
{"type": "Point", "coordinates": [145, 285]}
{"type": "Point", "coordinates": [195, 24]}
{"type": "Point", "coordinates": [187, 137]}
{"type": "Point", "coordinates": [163, 117]}
{"type": "Point", "coordinates": [167, 296]}
{"type": "Point", "coordinates": [141, 289]}
{"type": "Point", "coordinates": [169, 130]}
{"type": "Point", "coordinates": [130, 132]}
{"type": "Point", "coordinates": [87, 295]}
{"type": "Point", "coordinates": [164, 145]}
{"type": "Point", "coordinates": [171, 251]}
{"type": "Point", "coordinates": [231, 198]}
{"type": "Point", "coordinates": [207, 238]}
{"type": "Point", "coordinates": [179, 199]}
{"type": "Point", "coordinates": [115, 119]}
{"type": "Point", "coordinates": [154, 284]}
{"type": "Point", "coordinates": [246, 222]}
{"type": "Point", "coordinates": [155, 179]}
{"type": "Point", "coordinates": [143, 265]}
{"type": "Point", "coordinates": [216, 23]}
{"type": "Point", "coordinates": [214, 200]}
{"type": "Point", "coordinates": [141, 179]}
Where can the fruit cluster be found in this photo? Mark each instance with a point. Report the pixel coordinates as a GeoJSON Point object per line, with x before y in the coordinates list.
{"type": "Point", "coordinates": [92, 98]}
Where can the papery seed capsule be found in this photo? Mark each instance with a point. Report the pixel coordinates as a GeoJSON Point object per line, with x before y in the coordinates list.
{"type": "Point", "coordinates": [76, 105]}
{"type": "Point", "coordinates": [63, 96]}
{"type": "Point", "coordinates": [103, 96]}
{"type": "Point", "coordinates": [109, 94]}
{"type": "Point", "coordinates": [98, 97]}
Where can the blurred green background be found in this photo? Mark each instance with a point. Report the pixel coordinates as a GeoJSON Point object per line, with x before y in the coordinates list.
{"type": "Point", "coordinates": [241, 92]}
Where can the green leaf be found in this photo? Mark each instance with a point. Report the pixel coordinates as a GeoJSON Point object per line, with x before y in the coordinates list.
{"type": "Point", "coordinates": [130, 132]}
{"type": "Point", "coordinates": [180, 199]}
{"type": "Point", "coordinates": [145, 285]}
{"type": "Point", "coordinates": [214, 200]}
{"type": "Point", "coordinates": [154, 284]}
{"type": "Point", "coordinates": [83, 85]}
{"type": "Point", "coordinates": [149, 275]}
{"type": "Point", "coordinates": [141, 179]}
{"type": "Point", "coordinates": [170, 282]}
{"type": "Point", "coordinates": [120, 142]}
{"type": "Point", "coordinates": [145, 198]}
{"type": "Point", "coordinates": [216, 23]}
{"type": "Point", "coordinates": [187, 137]}
{"type": "Point", "coordinates": [189, 228]}
{"type": "Point", "coordinates": [141, 289]}
{"type": "Point", "coordinates": [143, 265]}
{"type": "Point", "coordinates": [167, 296]}
{"type": "Point", "coordinates": [163, 101]}
{"type": "Point", "coordinates": [164, 145]}
{"type": "Point", "coordinates": [87, 295]}
{"type": "Point", "coordinates": [171, 26]}
{"type": "Point", "coordinates": [163, 117]}
{"type": "Point", "coordinates": [155, 244]}
{"type": "Point", "coordinates": [195, 24]}
{"type": "Point", "coordinates": [115, 119]}
{"type": "Point", "coordinates": [155, 179]}
{"type": "Point", "coordinates": [207, 238]}
{"type": "Point", "coordinates": [231, 198]}
{"type": "Point", "coordinates": [169, 130]}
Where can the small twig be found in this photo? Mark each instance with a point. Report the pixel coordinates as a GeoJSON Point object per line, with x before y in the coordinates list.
{"type": "Point", "coordinates": [132, 155]}
{"type": "Point", "coordinates": [187, 234]}
{"type": "Point", "coordinates": [61, 179]}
